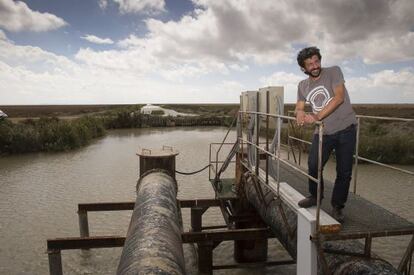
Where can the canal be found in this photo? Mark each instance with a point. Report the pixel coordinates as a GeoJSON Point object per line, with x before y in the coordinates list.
{"type": "Point", "coordinates": [39, 194]}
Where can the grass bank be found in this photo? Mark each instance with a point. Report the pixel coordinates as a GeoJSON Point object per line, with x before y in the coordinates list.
{"type": "Point", "coordinates": [387, 142]}
{"type": "Point", "coordinates": [48, 134]}
{"type": "Point", "coordinates": [382, 141]}
{"type": "Point", "coordinates": [54, 134]}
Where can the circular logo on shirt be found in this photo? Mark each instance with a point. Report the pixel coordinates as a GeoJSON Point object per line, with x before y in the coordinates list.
{"type": "Point", "coordinates": [319, 97]}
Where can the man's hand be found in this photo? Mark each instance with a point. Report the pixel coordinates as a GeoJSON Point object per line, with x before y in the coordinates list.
{"type": "Point", "coordinates": [311, 118]}
{"type": "Point", "coordinates": [300, 118]}
{"type": "Point", "coordinates": [300, 112]}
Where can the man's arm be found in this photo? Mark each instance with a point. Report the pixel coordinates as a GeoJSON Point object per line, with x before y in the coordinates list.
{"type": "Point", "coordinates": [300, 112]}
{"type": "Point", "coordinates": [337, 100]}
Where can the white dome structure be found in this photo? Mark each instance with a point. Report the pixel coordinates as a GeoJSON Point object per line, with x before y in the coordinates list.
{"type": "Point", "coordinates": [3, 114]}
{"type": "Point", "coordinates": [149, 108]}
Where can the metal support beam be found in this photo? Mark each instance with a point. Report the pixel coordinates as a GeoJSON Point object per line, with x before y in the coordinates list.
{"type": "Point", "coordinates": [407, 255]}
{"type": "Point", "coordinates": [106, 206]}
{"type": "Point", "coordinates": [226, 235]}
{"type": "Point", "coordinates": [250, 265]}
{"type": "Point", "coordinates": [83, 224]}
{"type": "Point", "coordinates": [84, 243]}
{"type": "Point", "coordinates": [197, 218]}
{"type": "Point", "coordinates": [205, 258]}
{"type": "Point", "coordinates": [55, 262]}
{"type": "Point", "coordinates": [367, 249]}
{"type": "Point", "coordinates": [202, 202]}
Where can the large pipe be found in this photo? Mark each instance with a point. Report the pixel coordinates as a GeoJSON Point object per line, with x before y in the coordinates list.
{"type": "Point", "coordinates": [283, 222]}
{"type": "Point", "coordinates": [153, 244]}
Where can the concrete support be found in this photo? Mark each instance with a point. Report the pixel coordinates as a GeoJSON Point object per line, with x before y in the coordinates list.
{"type": "Point", "coordinates": [55, 262]}
{"type": "Point", "coordinates": [307, 252]}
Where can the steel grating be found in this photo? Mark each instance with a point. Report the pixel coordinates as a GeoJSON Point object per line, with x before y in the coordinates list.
{"type": "Point", "coordinates": [362, 217]}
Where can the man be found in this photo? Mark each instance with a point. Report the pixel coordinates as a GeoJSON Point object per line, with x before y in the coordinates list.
{"type": "Point", "coordinates": [325, 91]}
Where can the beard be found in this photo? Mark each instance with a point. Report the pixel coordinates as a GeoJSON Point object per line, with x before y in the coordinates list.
{"type": "Point", "coordinates": [314, 73]}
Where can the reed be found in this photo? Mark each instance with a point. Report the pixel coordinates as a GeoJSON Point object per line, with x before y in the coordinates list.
{"type": "Point", "coordinates": [48, 134]}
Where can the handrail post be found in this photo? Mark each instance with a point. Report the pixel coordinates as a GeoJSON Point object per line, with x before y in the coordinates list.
{"type": "Point", "coordinates": [267, 136]}
{"type": "Point", "coordinates": [318, 197]}
{"type": "Point", "coordinates": [257, 135]}
{"type": "Point", "coordinates": [356, 153]}
{"type": "Point", "coordinates": [209, 161]}
{"type": "Point", "coordinates": [279, 128]}
{"type": "Point", "coordinates": [224, 140]}
{"type": "Point", "coordinates": [241, 135]}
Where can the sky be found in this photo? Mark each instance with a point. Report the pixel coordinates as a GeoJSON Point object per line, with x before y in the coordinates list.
{"type": "Point", "coordinates": [199, 51]}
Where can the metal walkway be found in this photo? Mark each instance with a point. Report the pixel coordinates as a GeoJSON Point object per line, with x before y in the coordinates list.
{"type": "Point", "coordinates": [362, 218]}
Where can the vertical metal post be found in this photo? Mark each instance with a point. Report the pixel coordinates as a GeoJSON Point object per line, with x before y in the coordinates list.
{"type": "Point", "coordinates": [367, 249]}
{"type": "Point", "coordinates": [55, 262]}
{"type": "Point", "coordinates": [205, 258]}
{"type": "Point", "coordinates": [257, 136]}
{"type": "Point", "coordinates": [241, 136]}
{"type": "Point", "coordinates": [407, 256]}
{"type": "Point", "coordinates": [196, 218]}
{"type": "Point", "coordinates": [279, 128]}
{"type": "Point", "coordinates": [217, 157]}
{"type": "Point", "coordinates": [267, 136]}
{"type": "Point", "coordinates": [356, 154]}
{"type": "Point", "coordinates": [318, 197]}
{"type": "Point", "coordinates": [83, 223]}
{"type": "Point", "coordinates": [300, 147]}
{"type": "Point", "coordinates": [209, 162]}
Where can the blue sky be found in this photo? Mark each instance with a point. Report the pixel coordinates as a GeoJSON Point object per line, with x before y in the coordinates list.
{"type": "Point", "coordinates": [199, 51]}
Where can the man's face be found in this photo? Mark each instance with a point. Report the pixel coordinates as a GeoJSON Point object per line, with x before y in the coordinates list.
{"type": "Point", "coordinates": [313, 66]}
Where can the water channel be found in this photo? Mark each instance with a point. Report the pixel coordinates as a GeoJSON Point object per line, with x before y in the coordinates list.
{"type": "Point", "coordinates": [39, 194]}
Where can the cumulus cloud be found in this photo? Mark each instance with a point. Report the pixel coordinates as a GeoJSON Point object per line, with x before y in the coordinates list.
{"type": "Point", "coordinates": [103, 4]}
{"type": "Point", "coordinates": [222, 38]}
{"type": "Point", "coordinates": [387, 86]}
{"type": "Point", "coordinates": [288, 80]}
{"type": "Point", "coordinates": [271, 32]}
{"type": "Point", "coordinates": [139, 6]}
{"type": "Point", "coordinates": [97, 40]}
{"type": "Point", "coordinates": [17, 16]}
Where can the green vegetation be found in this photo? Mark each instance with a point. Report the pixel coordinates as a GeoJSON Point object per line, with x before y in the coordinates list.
{"type": "Point", "coordinates": [48, 134]}
{"type": "Point", "coordinates": [386, 142]}
{"type": "Point", "coordinates": [54, 134]}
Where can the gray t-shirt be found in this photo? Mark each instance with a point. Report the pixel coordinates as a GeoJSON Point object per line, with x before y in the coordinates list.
{"type": "Point", "coordinates": [318, 93]}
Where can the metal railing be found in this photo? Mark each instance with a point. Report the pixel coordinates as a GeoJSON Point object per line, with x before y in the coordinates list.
{"type": "Point", "coordinates": [278, 157]}
{"type": "Point", "coordinates": [218, 151]}
{"type": "Point", "coordinates": [214, 162]}
{"type": "Point", "coordinates": [357, 157]}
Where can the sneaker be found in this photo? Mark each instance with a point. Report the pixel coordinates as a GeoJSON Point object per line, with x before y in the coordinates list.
{"type": "Point", "coordinates": [338, 214]}
{"type": "Point", "coordinates": [307, 202]}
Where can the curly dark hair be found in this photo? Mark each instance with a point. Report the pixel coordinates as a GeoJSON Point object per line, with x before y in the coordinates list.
{"type": "Point", "coordinates": [307, 53]}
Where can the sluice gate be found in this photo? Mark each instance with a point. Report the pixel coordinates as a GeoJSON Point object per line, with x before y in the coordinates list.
{"type": "Point", "coordinates": [257, 203]}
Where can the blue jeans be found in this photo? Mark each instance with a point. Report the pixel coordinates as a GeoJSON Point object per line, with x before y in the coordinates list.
{"type": "Point", "coordinates": [344, 144]}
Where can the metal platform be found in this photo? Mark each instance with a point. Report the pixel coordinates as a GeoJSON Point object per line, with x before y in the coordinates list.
{"type": "Point", "coordinates": [225, 188]}
{"type": "Point", "coordinates": [363, 219]}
